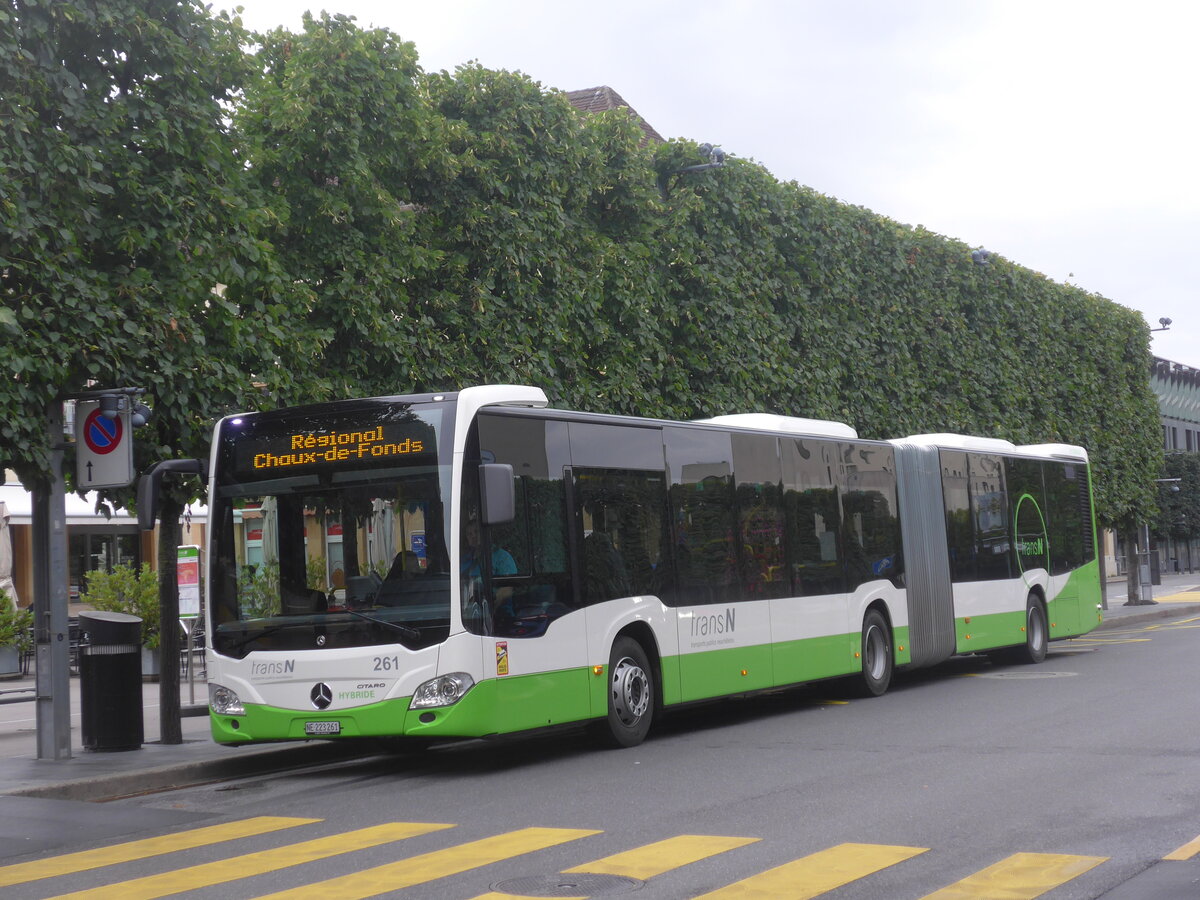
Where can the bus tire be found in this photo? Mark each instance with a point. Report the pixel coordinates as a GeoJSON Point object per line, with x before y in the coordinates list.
{"type": "Point", "coordinates": [631, 694]}
{"type": "Point", "coordinates": [877, 660]}
{"type": "Point", "coordinates": [1037, 636]}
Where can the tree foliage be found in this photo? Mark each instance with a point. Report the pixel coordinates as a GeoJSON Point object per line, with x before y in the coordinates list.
{"type": "Point", "coordinates": [129, 590]}
{"type": "Point", "coordinates": [125, 204]}
{"type": "Point", "coordinates": [1179, 497]}
{"type": "Point", "coordinates": [381, 230]}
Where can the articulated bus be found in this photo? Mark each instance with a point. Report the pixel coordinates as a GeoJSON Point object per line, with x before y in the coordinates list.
{"type": "Point", "coordinates": [476, 564]}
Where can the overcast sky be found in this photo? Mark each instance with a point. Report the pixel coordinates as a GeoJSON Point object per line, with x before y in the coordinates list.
{"type": "Point", "coordinates": [1060, 135]}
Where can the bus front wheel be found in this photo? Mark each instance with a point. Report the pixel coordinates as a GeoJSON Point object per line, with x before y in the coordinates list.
{"type": "Point", "coordinates": [876, 654]}
{"type": "Point", "coordinates": [631, 694]}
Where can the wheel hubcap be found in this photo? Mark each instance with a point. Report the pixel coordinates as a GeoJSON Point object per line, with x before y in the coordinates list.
{"type": "Point", "coordinates": [874, 652]}
{"type": "Point", "coordinates": [630, 691]}
{"type": "Point", "coordinates": [1037, 634]}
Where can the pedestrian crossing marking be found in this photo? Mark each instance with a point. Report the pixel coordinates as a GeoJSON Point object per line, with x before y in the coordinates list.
{"type": "Point", "coordinates": [1187, 851]}
{"type": "Point", "coordinates": [813, 875]}
{"type": "Point", "coordinates": [1022, 876]}
{"type": "Point", "coordinates": [437, 864]}
{"type": "Point", "coordinates": [221, 871]}
{"type": "Point", "coordinates": [662, 856]}
{"type": "Point", "coordinates": [70, 863]}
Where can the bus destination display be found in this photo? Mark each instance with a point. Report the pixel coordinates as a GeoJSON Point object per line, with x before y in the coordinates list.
{"type": "Point", "coordinates": [293, 451]}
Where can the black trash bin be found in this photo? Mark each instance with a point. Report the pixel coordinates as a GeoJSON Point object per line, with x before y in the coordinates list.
{"type": "Point", "coordinates": [110, 681]}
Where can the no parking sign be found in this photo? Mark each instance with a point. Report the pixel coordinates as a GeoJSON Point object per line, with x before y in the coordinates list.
{"type": "Point", "coordinates": [103, 447]}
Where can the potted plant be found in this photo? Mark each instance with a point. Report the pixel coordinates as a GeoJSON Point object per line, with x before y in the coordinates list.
{"type": "Point", "coordinates": [14, 635]}
{"type": "Point", "coordinates": [135, 592]}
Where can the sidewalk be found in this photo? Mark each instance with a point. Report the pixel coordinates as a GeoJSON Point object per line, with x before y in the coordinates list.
{"type": "Point", "coordinates": [103, 775]}
{"type": "Point", "coordinates": [90, 775]}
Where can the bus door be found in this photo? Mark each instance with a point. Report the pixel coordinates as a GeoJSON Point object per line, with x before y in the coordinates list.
{"type": "Point", "coordinates": [536, 642]}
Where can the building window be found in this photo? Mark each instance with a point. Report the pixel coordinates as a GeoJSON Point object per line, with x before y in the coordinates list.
{"type": "Point", "coordinates": [99, 549]}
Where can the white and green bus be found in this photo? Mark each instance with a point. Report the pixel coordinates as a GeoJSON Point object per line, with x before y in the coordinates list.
{"type": "Point", "coordinates": [474, 563]}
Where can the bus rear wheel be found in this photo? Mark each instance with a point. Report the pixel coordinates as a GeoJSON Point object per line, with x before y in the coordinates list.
{"type": "Point", "coordinates": [1036, 635]}
{"type": "Point", "coordinates": [631, 694]}
{"type": "Point", "coordinates": [876, 654]}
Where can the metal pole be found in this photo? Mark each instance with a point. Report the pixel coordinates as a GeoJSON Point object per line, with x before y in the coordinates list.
{"type": "Point", "coordinates": [51, 630]}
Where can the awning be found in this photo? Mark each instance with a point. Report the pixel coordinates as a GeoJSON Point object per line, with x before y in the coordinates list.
{"type": "Point", "coordinates": [80, 510]}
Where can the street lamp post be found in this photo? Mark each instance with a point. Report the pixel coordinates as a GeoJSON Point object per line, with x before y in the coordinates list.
{"type": "Point", "coordinates": [715, 156]}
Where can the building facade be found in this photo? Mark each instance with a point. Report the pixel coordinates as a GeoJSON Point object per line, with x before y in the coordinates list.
{"type": "Point", "coordinates": [1177, 388]}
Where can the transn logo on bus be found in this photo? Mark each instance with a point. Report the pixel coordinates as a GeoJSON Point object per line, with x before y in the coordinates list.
{"type": "Point", "coordinates": [720, 623]}
{"type": "Point", "coordinates": [271, 669]}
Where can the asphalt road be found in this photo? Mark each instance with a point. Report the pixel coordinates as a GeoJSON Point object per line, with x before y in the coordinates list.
{"type": "Point", "coordinates": [1090, 760]}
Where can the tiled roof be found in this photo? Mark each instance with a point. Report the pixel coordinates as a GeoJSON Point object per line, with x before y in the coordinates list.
{"type": "Point", "coordinates": [603, 98]}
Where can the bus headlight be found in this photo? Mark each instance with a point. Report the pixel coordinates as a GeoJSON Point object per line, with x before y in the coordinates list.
{"type": "Point", "coordinates": [445, 690]}
{"type": "Point", "coordinates": [224, 702]}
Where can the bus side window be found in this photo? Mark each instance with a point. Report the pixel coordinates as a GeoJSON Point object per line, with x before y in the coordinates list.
{"type": "Point", "coordinates": [990, 514]}
{"type": "Point", "coordinates": [1069, 520]}
{"type": "Point", "coordinates": [959, 532]}
{"type": "Point", "coordinates": [870, 520]}
{"type": "Point", "coordinates": [700, 464]}
{"type": "Point", "coordinates": [622, 520]}
{"type": "Point", "coordinates": [812, 517]}
{"type": "Point", "coordinates": [759, 497]}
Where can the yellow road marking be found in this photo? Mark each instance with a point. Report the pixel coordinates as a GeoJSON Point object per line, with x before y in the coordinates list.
{"type": "Point", "coordinates": [1187, 851]}
{"type": "Point", "coordinates": [251, 864]}
{"type": "Point", "coordinates": [70, 863]}
{"type": "Point", "coordinates": [817, 873]}
{"type": "Point", "coordinates": [1022, 876]}
{"type": "Point", "coordinates": [1180, 597]}
{"type": "Point", "coordinates": [437, 864]}
{"type": "Point", "coordinates": [662, 856]}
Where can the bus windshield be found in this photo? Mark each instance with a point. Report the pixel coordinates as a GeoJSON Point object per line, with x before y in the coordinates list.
{"type": "Point", "coordinates": [329, 528]}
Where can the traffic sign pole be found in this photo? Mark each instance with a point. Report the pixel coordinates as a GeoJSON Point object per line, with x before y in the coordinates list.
{"type": "Point", "coordinates": [51, 629]}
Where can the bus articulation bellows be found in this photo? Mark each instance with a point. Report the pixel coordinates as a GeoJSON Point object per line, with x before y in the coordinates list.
{"type": "Point", "coordinates": [474, 563]}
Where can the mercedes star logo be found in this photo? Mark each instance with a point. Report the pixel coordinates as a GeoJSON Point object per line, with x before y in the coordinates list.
{"type": "Point", "coordinates": [321, 695]}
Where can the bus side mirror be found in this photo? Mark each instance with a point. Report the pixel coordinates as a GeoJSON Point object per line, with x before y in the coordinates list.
{"type": "Point", "coordinates": [498, 493]}
{"type": "Point", "coordinates": [150, 486]}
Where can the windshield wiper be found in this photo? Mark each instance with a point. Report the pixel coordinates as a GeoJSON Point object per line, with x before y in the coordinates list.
{"type": "Point", "coordinates": [411, 633]}
{"type": "Point", "coordinates": [246, 639]}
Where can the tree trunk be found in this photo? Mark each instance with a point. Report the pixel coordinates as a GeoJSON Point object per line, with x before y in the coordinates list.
{"type": "Point", "coordinates": [168, 596]}
{"type": "Point", "coordinates": [1133, 595]}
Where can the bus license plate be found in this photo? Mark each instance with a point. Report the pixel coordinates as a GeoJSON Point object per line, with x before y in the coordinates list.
{"type": "Point", "coordinates": [322, 727]}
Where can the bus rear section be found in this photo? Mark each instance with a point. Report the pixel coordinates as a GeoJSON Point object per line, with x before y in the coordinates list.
{"type": "Point", "coordinates": [1001, 546]}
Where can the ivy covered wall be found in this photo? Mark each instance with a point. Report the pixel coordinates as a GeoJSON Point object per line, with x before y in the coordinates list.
{"type": "Point", "coordinates": [379, 229]}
